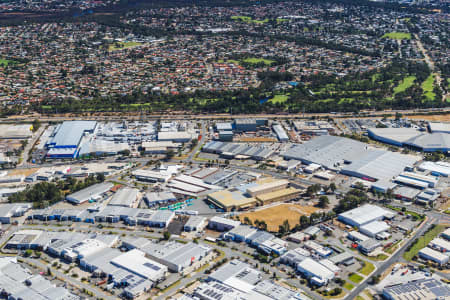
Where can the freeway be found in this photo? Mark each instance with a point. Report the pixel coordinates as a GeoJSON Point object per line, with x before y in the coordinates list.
{"type": "Point", "coordinates": [397, 256]}
{"type": "Point", "coordinates": [183, 116]}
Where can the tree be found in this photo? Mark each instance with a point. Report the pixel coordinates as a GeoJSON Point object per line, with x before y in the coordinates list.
{"type": "Point", "coordinates": [166, 235]}
{"type": "Point", "coordinates": [323, 201]}
{"type": "Point", "coordinates": [333, 187]}
{"type": "Point", "coordinates": [170, 154]}
{"type": "Point", "coordinates": [101, 177]}
{"type": "Point", "coordinates": [312, 190]}
{"type": "Point", "coordinates": [28, 253]}
{"type": "Point", "coordinates": [304, 222]}
{"type": "Point", "coordinates": [36, 125]}
{"type": "Point", "coordinates": [247, 221]}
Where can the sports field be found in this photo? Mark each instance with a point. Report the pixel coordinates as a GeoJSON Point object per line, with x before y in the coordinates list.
{"type": "Point", "coordinates": [275, 216]}
{"type": "Point", "coordinates": [249, 19]}
{"type": "Point", "coordinates": [397, 35]}
{"type": "Point", "coordinates": [122, 45]}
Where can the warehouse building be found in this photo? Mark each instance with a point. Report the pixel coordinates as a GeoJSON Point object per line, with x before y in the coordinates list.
{"type": "Point", "coordinates": [222, 224]}
{"type": "Point", "coordinates": [13, 210]}
{"type": "Point", "coordinates": [280, 132]}
{"type": "Point", "coordinates": [379, 165]}
{"type": "Point", "coordinates": [433, 255]}
{"type": "Point", "coordinates": [67, 138]}
{"type": "Point", "coordinates": [369, 246]}
{"type": "Point", "coordinates": [158, 147]}
{"type": "Point", "coordinates": [412, 138]}
{"type": "Point", "coordinates": [135, 262]}
{"type": "Point", "coordinates": [286, 194]}
{"type": "Point", "coordinates": [431, 181]}
{"type": "Point", "coordinates": [365, 214]}
{"type": "Point", "coordinates": [440, 245]}
{"type": "Point", "coordinates": [125, 197]}
{"type": "Point", "coordinates": [446, 234]}
{"type": "Point", "coordinates": [240, 233]}
{"type": "Point", "coordinates": [176, 256]}
{"type": "Point", "coordinates": [238, 150]}
{"type": "Point", "coordinates": [236, 274]}
{"type": "Point", "coordinates": [317, 273]}
{"type": "Point", "coordinates": [350, 157]}
{"type": "Point", "coordinates": [93, 192]}
{"type": "Point", "coordinates": [424, 288]}
{"type": "Point", "coordinates": [438, 127]}
{"type": "Point", "coordinates": [357, 236]}
{"type": "Point", "coordinates": [231, 199]}
{"type": "Point", "coordinates": [374, 228]}
{"type": "Point", "coordinates": [175, 136]}
{"type": "Point", "coordinates": [267, 185]}
{"type": "Point", "coordinates": [195, 223]}
{"type": "Point", "coordinates": [406, 193]}
{"type": "Point", "coordinates": [159, 198]}
{"type": "Point", "coordinates": [151, 176]}
{"type": "Point", "coordinates": [226, 135]}
{"type": "Point", "coordinates": [16, 282]}
{"type": "Point", "coordinates": [439, 168]}
{"type": "Point", "coordinates": [227, 126]}
{"type": "Point", "coordinates": [294, 256]}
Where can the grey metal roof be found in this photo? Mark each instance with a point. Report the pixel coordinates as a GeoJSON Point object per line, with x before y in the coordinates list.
{"type": "Point", "coordinates": [380, 164]}
{"type": "Point", "coordinates": [416, 288]}
{"type": "Point", "coordinates": [89, 192]}
{"type": "Point", "coordinates": [71, 132]}
{"type": "Point", "coordinates": [124, 197]}
{"type": "Point", "coordinates": [238, 269]}
{"type": "Point", "coordinates": [327, 150]}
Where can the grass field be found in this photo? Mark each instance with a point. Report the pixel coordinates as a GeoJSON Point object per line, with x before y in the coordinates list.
{"type": "Point", "coordinates": [249, 19]}
{"type": "Point", "coordinates": [423, 242]}
{"type": "Point", "coordinates": [397, 36]}
{"type": "Point", "coordinates": [367, 268]}
{"type": "Point", "coordinates": [254, 60]}
{"type": "Point", "coordinates": [428, 86]}
{"type": "Point", "coordinates": [406, 83]}
{"type": "Point", "coordinates": [5, 62]}
{"type": "Point", "coordinates": [122, 45]}
{"type": "Point", "coordinates": [275, 216]}
{"type": "Point", "coordinates": [348, 286]}
{"type": "Point", "coordinates": [355, 278]}
{"type": "Point", "coordinates": [279, 99]}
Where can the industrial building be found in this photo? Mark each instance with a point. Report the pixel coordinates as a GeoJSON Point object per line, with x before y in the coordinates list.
{"type": "Point", "coordinates": [350, 157]}
{"type": "Point", "coordinates": [280, 132]}
{"type": "Point", "coordinates": [425, 288]}
{"type": "Point", "coordinates": [222, 224]}
{"type": "Point", "coordinates": [176, 256]}
{"type": "Point", "coordinates": [365, 214]}
{"type": "Point", "coordinates": [238, 150]}
{"type": "Point", "coordinates": [438, 127]}
{"type": "Point", "coordinates": [286, 194]}
{"type": "Point", "coordinates": [439, 168]}
{"type": "Point", "coordinates": [158, 147]}
{"type": "Point", "coordinates": [267, 185]}
{"type": "Point", "coordinates": [195, 223]}
{"type": "Point", "coordinates": [16, 282]}
{"type": "Point", "coordinates": [231, 199]}
{"type": "Point", "coordinates": [317, 273]}
{"type": "Point", "coordinates": [65, 140]}
{"type": "Point", "coordinates": [151, 176]}
{"type": "Point", "coordinates": [159, 198]}
{"type": "Point", "coordinates": [248, 125]}
{"type": "Point", "coordinates": [93, 192]}
{"type": "Point", "coordinates": [241, 233]}
{"type": "Point", "coordinates": [434, 256]}
{"type": "Point", "coordinates": [126, 197]}
{"type": "Point", "coordinates": [175, 136]}
{"type": "Point", "coordinates": [372, 229]}
{"type": "Point", "coordinates": [412, 138]}
{"type": "Point", "coordinates": [13, 210]}
{"type": "Point", "coordinates": [440, 245]}
{"type": "Point", "coordinates": [135, 262]}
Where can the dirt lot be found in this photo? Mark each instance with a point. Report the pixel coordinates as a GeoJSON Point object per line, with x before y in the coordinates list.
{"type": "Point", "coordinates": [24, 172]}
{"type": "Point", "coordinates": [437, 118]}
{"type": "Point", "coordinates": [275, 216]}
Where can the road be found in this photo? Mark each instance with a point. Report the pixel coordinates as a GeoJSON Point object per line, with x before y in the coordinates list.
{"type": "Point", "coordinates": [183, 116]}
{"type": "Point", "coordinates": [30, 145]}
{"type": "Point", "coordinates": [394, 258]}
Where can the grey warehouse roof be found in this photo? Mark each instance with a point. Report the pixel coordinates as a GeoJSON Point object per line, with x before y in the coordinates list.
{"type": "Point", "coordinates": [70, 133]}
